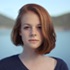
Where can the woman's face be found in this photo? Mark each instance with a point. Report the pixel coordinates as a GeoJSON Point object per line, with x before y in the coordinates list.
{"type": "Point", "coordinates": [31, 30]}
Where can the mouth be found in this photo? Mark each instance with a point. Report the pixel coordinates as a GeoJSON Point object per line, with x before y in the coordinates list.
{"type": "Point", "coordinates": [33, 40]}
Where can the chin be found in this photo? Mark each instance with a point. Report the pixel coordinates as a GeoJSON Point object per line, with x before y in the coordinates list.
{"type": "Point", "coordinates": [34, 46]}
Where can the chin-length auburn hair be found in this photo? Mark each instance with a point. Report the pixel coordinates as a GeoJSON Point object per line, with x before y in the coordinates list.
{"type": "Point", "coordinates": [49, 36]}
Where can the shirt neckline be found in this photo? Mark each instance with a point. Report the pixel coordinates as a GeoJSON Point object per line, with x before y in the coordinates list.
{"type": "Point", "coordinates": [23, 65]}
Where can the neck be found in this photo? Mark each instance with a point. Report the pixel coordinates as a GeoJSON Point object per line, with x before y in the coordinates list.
{"type": "Point", "coordinates": [29, 55]}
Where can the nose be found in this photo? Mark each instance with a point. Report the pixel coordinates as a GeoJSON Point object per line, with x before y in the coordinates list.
{"type": "Point", "coordinates": [33, 32]}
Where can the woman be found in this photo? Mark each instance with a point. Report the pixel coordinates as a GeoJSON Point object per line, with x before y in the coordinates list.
{"type": "Point", "coordinates": [34, 31]}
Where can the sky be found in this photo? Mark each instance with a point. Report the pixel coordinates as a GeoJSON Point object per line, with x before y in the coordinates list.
{"type": "Point", "coordinates": [10, 8]}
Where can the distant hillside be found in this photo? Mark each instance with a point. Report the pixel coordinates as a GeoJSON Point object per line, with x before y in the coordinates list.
{"type": "Point", "coordinates": [6, 22]}
{"type": "Point", "coordinates": [60, 22]}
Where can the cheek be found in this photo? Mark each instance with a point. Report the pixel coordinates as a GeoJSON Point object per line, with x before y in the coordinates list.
{"type": "Point", "coordinates": [25, 36]}
{"type": "Point", "coordinates": [40, 35]}
{"type": "Point", "coordinates": [24, 33]}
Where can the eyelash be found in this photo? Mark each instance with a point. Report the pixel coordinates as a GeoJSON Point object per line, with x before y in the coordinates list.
{"type": "Point", "coordinates": [39, 27]}
{"type": "Point", "coordinates": [29, 27]}
{"type": "Point", "coordinates": [26, 27]}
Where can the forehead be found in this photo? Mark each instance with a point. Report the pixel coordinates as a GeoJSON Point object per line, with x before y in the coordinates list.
{"type": "Point", "coordinates": [30, 18]}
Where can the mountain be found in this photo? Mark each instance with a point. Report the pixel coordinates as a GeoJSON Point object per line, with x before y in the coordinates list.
{"type": "Point", "coordinates": [6, 22]}
{"type": "Point", "coordinates": [60, 22]}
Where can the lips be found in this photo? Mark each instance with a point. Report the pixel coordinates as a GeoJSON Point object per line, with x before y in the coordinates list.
{"type": "Point", "coordinates": [33, 40]}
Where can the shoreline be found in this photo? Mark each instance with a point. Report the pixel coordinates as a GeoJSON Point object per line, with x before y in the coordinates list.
{"type": "Point", "coordinates": [55, 28]}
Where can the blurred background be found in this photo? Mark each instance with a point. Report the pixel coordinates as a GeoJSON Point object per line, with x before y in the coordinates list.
{"type": "Point", "coordinates": [60, 13]}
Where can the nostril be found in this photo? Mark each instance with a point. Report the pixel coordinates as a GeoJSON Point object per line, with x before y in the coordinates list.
{"type": "Point", "coordinates": [32, 34]}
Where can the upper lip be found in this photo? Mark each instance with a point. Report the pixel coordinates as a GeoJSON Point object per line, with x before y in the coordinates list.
{"type": "Point", "coordinates": [33, 40]}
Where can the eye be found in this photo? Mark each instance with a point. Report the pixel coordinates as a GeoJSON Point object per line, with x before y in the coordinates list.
{"type": "Point", "coordinates": [39, 27]}
{"type": "Point", "coordinates": [26, 27]}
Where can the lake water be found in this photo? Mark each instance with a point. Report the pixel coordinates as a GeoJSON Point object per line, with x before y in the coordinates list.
{"type": "Point", "coordinates": [62, 49]}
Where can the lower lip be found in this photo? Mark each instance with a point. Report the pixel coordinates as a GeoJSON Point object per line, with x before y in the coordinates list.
{"type": "Point", "coordinates": [33, 41]}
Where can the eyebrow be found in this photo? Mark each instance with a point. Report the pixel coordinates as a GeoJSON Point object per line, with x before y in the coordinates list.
{"type": "Point", "coordinates": [29, 24]}
{"type": "Point", "coordinates": [25, 24]}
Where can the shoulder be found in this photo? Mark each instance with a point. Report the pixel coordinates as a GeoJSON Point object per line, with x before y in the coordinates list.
{"type": "Point", "coordinates": [8, 59]}
{"type": "Point", "coordinates": [61, 64]}
{"type": "Point", "coordinates": [8, 62]}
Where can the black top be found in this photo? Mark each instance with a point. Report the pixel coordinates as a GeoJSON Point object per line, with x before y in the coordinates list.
{"type": "Point", "coordinates": [14, 63]}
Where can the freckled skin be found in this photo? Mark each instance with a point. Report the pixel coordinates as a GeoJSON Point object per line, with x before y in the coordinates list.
{"type": "Point", "coordinates": [31, 29]}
